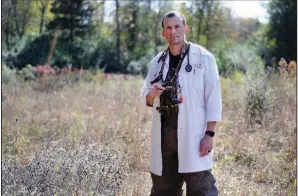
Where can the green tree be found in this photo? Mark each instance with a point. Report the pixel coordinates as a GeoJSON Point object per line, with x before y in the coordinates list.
{"type": "Point", "coordinates": [16, 16]}
{"type": "Point", "coordinates": [43, 6]}
{"type": "Point", "coordinates": [207, 20]}
{"type": "Point", "coordinates": [72, 17]}
{"type": "Point", "coordinates": [243, 28]}
{"type": "Point", "coordinates": [283, 28]}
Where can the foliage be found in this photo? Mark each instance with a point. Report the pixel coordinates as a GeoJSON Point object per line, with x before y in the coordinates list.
{"type": "Point", "coordinates": [58, 171]}
{"type": "Point", "coordinates": [283, 28]}
{"type": "Point", "coordinates": [232, 56]}
{"type": "Point", "coordinates": [21, 18]}
{"type": "Point", "coordinates": [26, 74]}
{"type": "Point", "coordinates": [238, 77]}
{"type": "Point", "coordinates": [224, 55]}
{"type": "Point", "coordinates": [139, 66]}
{"type": "Point", "coordinates": [72, 17]}
{"type": "Point", "coordinates": [243, 28]}
{"type": "Point", "coordinates": [256, 88]}
{"type": "Point", "coordinates": [19, 45]}
{"type": "Point", "coordinates": [263, 46]}
{"type": "Point", "coordinates": [207, 20]}
{"type": "Point", "coordinates": [79, 53]}
{"type": "Point", "coordinates": [7, 75]}
{"type": "Point", "coordinates": [90, 37]}
{"type": "Point", "coordinates": [27, 55]}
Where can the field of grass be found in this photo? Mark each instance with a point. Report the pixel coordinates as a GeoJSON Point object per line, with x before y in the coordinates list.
{"type": "Point", "coordinates": [92, 138]}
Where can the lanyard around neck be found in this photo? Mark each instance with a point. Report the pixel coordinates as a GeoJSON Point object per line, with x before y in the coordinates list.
{"type": "Point", "coordinates": [183, 51]}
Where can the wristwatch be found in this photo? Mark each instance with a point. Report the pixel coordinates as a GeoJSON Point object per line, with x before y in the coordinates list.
{"type": "Point", "coordinates": [210, 133]}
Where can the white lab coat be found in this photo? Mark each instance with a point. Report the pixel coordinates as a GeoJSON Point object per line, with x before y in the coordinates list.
{"type": "Point", "coordinates": [202, 103]}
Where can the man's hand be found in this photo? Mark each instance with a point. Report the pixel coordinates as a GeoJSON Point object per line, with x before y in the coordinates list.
{"type": "Point", "coordinates": [156, 91]}
{"type": "Point", "coordinates": [206, 145]}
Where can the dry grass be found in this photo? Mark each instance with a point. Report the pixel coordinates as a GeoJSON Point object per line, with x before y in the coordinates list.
{"type": "Point", "coordinates": [109, 116]}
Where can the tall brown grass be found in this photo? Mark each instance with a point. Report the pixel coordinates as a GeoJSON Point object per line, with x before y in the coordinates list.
{"type": "Point", "coordinates": [57, 129]}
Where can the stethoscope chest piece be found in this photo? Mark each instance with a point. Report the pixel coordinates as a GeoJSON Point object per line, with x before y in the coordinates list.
{"type": "Point", "coordinates": [188, 68]}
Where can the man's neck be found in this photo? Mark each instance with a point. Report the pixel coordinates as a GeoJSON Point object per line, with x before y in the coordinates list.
{"type": "Point", "coordinates": [175, 48]}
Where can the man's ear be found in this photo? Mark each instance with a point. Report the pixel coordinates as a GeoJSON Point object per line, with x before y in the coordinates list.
{"type": "Point", "coordinates": [162, 33]}
{"type": "Point", "coordinates": [186, 29]}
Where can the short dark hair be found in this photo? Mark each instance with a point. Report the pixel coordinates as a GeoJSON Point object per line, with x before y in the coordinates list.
{"type": "Point", "coordinates": [172, 14]}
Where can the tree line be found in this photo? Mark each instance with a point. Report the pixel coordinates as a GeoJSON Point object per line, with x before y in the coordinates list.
{"type": "Point", "coordinates": [123, 36]}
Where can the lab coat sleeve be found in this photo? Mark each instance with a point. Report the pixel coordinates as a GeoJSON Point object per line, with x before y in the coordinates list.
{"type": "Point", "coordinates": [147, 86]}
{"type": "Point", "coordinates": [212, 90]}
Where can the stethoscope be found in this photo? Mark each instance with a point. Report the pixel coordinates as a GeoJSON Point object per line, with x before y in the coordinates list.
{"type": "Point", "coordinates": [188, 68]}
{"type": "Point", "coordinates": [162, 58]}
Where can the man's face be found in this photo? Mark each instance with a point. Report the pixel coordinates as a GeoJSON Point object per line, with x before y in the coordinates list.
{"type": "Point", "coordinates": [174, 30]}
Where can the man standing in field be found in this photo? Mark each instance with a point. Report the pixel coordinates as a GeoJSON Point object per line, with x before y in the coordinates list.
{"type": "Point", "coordinates": [183, 87]}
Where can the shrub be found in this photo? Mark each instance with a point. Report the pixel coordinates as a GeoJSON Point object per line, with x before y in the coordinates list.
{"type": "Point", "coordinates": [8, 75]}
{"type": "Point", "coordinates": [256, 87]}
{"type": "Point", "coordinates": [237, 77]}
{"type": "Point", "coordinates": [34, 53]}
{"type": "Point", "coordinates": [54, 171]}
{"type": "Point", "coordinates": [26, 74]}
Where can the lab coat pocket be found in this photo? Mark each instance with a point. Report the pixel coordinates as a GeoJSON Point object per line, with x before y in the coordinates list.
{"type": "Point", "coordinates": [197, 75]}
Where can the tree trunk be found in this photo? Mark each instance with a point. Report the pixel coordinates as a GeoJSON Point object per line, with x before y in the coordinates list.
{"type": "Point", "coordinates": [7, 36]}
{"type": "Point", "coordinates": [149, 5]}
{"type": "Point", "coordinates": [15, 12]}
{"type": "Point", "coordinates": [43, 11]}
{"type": "Point", "coordinates": [71, 23]}
{"type": "Point", "coordinates": [208, 26]}
{"type": "Point", "coordinates": [200, 18]}
{"type": "Point", "coordinates": [156, 42]}
{"type": "Point", "coordinates": [7, 30]}
{"type": "Point", "coordinates": [118, 33]}
{"type": "Point", "coordinates": [52, 48]}
{"type": "Point", "coordinates": [103, 12]}
{"type": "Point", "coordinates": [25, 18]}
{"type": "Point", "coordinates": [133, 30]}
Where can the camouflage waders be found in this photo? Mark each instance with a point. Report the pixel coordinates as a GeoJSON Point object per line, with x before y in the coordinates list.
{"type": "Point", "coordinates": [171, 182]}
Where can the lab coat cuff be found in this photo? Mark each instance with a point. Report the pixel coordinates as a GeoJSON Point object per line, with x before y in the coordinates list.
{"type": "Point", "coordinates": [213, 117]}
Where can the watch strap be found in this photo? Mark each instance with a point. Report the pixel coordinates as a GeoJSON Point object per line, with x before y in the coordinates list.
{"type": "Point", "coordinates": [210, 133]}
